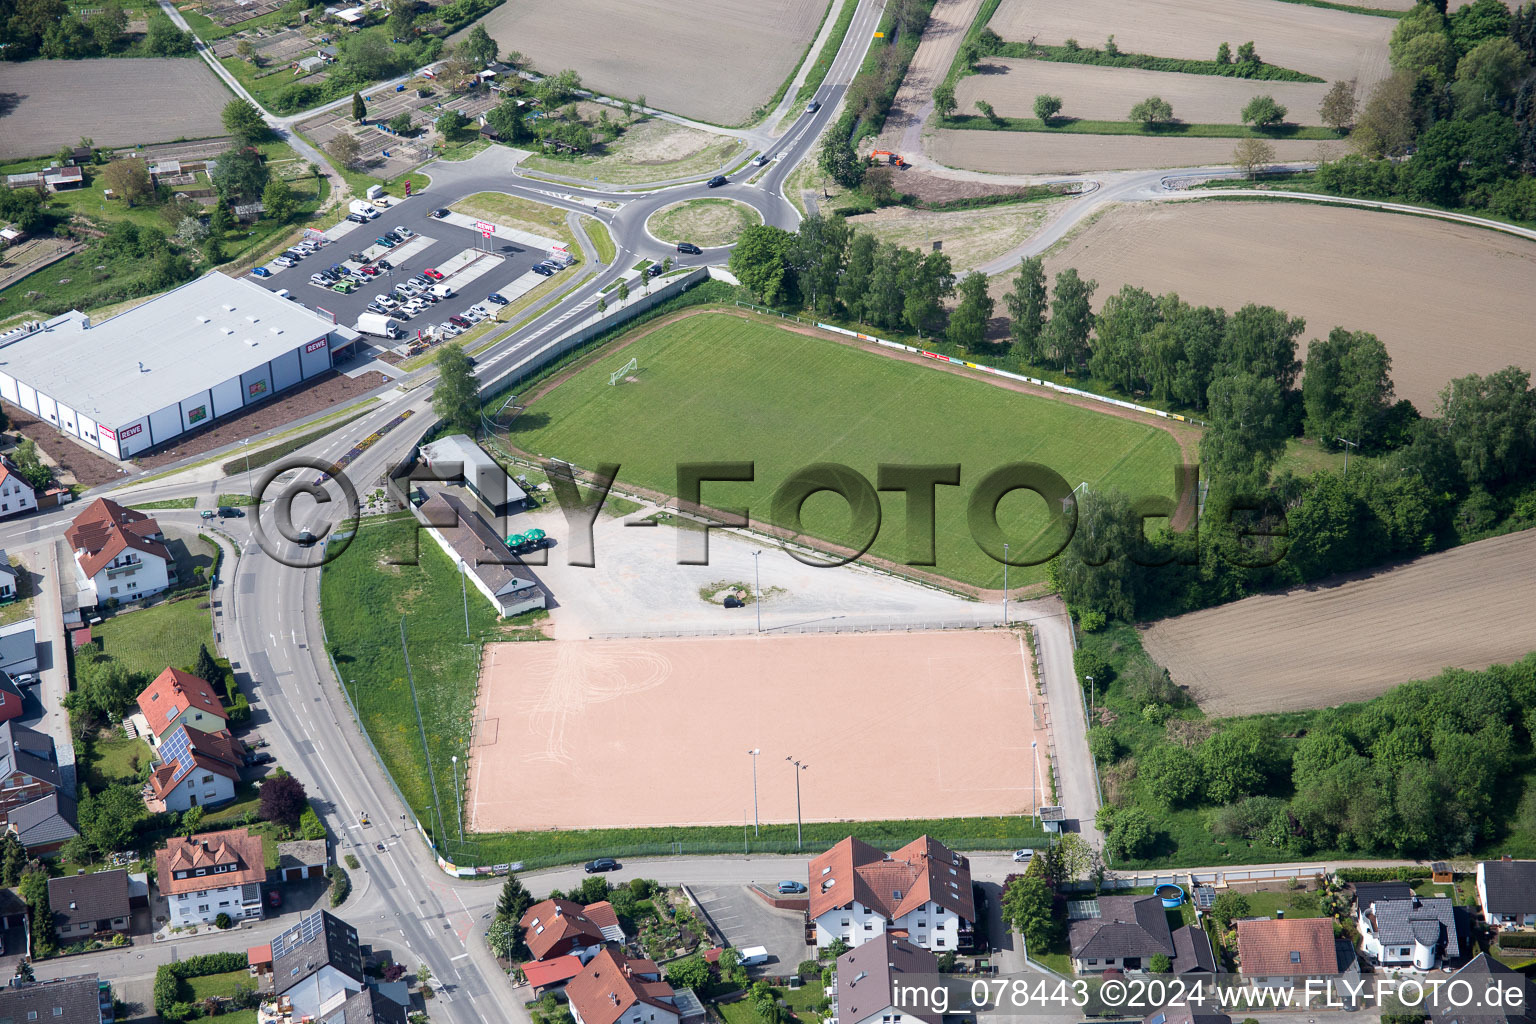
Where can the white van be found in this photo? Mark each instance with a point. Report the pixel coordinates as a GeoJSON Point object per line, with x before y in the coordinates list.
{"type": "Point", "coordinates": [363, 209]}
{"type": "Point", "coordinates": [283, 293]}
{"type": "Point", "coordinates": [751, 956]}
{"type": "Point", "coordinates": [442, 291]}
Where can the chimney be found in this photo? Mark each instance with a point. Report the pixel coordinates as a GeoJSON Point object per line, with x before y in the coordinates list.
{"type": "Point", "coordinates": [1279, 915]}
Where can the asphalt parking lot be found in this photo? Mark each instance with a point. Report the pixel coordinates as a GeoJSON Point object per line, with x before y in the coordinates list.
{"type": "Point", "coordinates": [746, 920]}
{"type": "Point", "coordinates": [446, 240]}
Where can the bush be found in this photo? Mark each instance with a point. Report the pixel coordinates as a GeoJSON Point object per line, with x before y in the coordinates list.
{"type": "Point", "coordinates": [341, 885]}
{"type": "Point", "coordinates": [222, 922]}
{"type": "Point", "coordinates": [353, 862]}
{"type": "Point", "coordinates": [1404, 873]}
{"type": "Point", "coordinates": [1517, 940]}
{"type": "Point", "coordinates": [239, 710]}
{"type": "Point", "coordinates": [310, 825]}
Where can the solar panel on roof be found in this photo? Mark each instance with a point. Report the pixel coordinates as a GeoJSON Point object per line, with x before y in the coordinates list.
{"type": "Point", "coordinates": [1083, 910]}
{"type": "Point", "coordinates": [1205, 896]}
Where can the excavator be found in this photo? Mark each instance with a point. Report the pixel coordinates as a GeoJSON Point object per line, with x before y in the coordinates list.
{"type": "Point", "coordinates": [894, 159]}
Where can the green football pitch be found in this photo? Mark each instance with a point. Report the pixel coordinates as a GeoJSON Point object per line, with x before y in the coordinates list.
{"type": "Point", "coordinates": [715, 387]}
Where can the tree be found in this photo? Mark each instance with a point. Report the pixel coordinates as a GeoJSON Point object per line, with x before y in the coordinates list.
{"type": "Point", "coordinates": [1095, 571]}
{"type": "Point", "coordinates": [104, 687]}
{"type": "Point", "coordinates": [1228, 906]}
{"type": "Point", "coordinates": [1262, 340]}
{"type": "Point", "coordinates": [108, 25]}
{"type": "Point", "coordinates": [1066, 336]}
{"type": "Point", "coordinates": [1252, 155]}
{"type": "Point", "coordinates": [402, 18]}
{"type": "Point", "coordinates": [1337, 110]}
{"type": "Point", "coordinates": [1246, 54]}
{"type": "Point", "coordinates": [514, 899]}
{"type": "Point", "coordinates": [241, 174]}
{"type": "Point", "coordinates": [943, 100]}
{"type": "Point", "coordinates": [689, 972]}
{"type": "Point", "coordinates": [451, 123]}
{"type": "Point", "coordinates": [163, 39]}
{"type": "Point", "coordinates": [1152, 111]}
{"type": "Point", "coordinates": [1487, 75]}
{"type": "Point", "coordinates": [1491, 424]}
{"type": "Point", "coordinates": [1263, 112]}
{"type": "Point", "coordinates": [368, 56]}
{"type": "Point", "coordinates": [503, 937]}
{"type": "Point", "coordinates": [206, 668]}
{"type": "Point", "coordinates": [359, 108]}
{"type": "Point", "coordinates": [34, 891]}
{"type": "Point", "coordinates": [1026, 306]}
{"type": "Point", "coordinates": [1127, 319]}
{"type": "Point", "coordinates": [1238, 760]}
{"type": "Point", "coordinates": [1047, 107]}
{"type": "Point", "coordinates": [987, 111]}
{"type": "Point", "coordinates": [479, 46]}
{"type": "Point", "coordinates": [839, 159]}
{"type": "Point", "coordinates": [242, 120]}
{"type": "Point", "coordinates": [278, 200]}
{"type": "Point", "coordinates": [219, 220]}
{"type": "Point", "coordinates": [817, 256]}
{"type": "Point", "coordinates": [507, 120]}
{"type": "Point", "coordinates": [129, 180]}
{"type": "Point", "coordinates": [192, 821]}
{"type": "Point", "coordinates": [853, 286]}
{"type": "Point", "coordinates": [758, 261]}
{"type": "Point", "coordinates": [283, 799]}
{"type": "Point", "coordinates": [13, 857]}
{"type": "Point", "coordinates": [456, 398]}
{"type": "Point", "coordinates": [1172, 771]}
{"type": "Point", "coordinates": [1347, 390]}
{"type": "Point", "coordinates": [623, 290]}
{"type": "Point", "coordinates": [927, 281]}
{"type": "Point", "coordinates": [1224, 54]}
{"type": "Point", "coordinates": [1477, 22]}
{"type": "Point", "coordinates": [109, 819]}
{"type": "Point", "coordinates": [345, 149]}
{"type": "Point", "coordinates": [401, 123]}
{"type": "Point", "coordinates": [968, 323]}
{"type": "Point", "coordinates": [1246, 430]}
{"type": "Point", "coordinates": [1029, 908]}
{"type": "Point", "coordinates": [1128, 831]}
{"type": "Point", "coordinates": [1388, 124]}
{"type": "Point", "coordinates": [1159, 963]}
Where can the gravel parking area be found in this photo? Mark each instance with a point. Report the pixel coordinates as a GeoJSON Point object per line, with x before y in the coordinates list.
{"type": "Point", "coordinates": [47, 103]}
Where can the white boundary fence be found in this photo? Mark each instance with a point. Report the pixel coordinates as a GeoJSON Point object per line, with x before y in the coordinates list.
{"type": "Point", "coordinates": [1062, 388]}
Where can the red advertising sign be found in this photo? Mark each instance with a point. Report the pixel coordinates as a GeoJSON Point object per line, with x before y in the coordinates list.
{"type": "Point", "coordinates": [137, 428]}
{"type": "Point", "coordinates": [485, 228]}
{"type": "Point", "coordinates": [108, 433]}
{"type": "Point", "coordinates": [257, 388]}
{"type": "Point", "coordinates": [315, 345]}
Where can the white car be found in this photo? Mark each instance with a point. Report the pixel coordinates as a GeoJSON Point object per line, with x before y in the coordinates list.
{"type": "Point", "coordinates": [385, 301]}
{"type": "Point", "coordinates": [1023, 856]}
{"type": "Point", "coordinates": [474, 316]}
{"type": "Point", "coordinates": [405, 232]}
{"type": "Point", "coordinates": [284, 261]}
{"type": "Point", "coordinates": [447, 330]}
{"type": "Point", "coordinates": [320, 280]}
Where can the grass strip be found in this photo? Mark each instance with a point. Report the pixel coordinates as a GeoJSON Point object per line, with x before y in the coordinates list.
{"type": "Point", "coordinates": [1328, 5]}
{"type": "Point", "coordinates": [601, 239]}
{"type": "Point", "coordinates": [1258, 72]}
{"type": "Point", "coordinates": [828, 54]}
{"type": "Point", "coordinates": [167, 503]}
{"type": "Point", "coordinates": [1177, 130]}
{"type": "Point", "coordinates": [236, 500]}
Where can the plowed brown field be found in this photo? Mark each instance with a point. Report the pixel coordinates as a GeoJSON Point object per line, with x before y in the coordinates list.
{"type": "Point", "coordinates": [1043, 153]}
{"type": "Point", "coordinates": [1332, 644]}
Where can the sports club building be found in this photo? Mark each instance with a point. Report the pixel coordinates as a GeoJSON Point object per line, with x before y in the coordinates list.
{"type": "Point", "coordinates": [176, 363]}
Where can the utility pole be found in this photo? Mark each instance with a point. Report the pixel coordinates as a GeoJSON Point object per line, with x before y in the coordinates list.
{"type": "Point", "coordinates": [1090, 699]}
{"type": "Point", "coordinates": [1348, 444]}
{"type": "Point", "coordinates": [756, 829]}
{"type": "Point", "coordinates": [1005, 584]}
{"type": "Point", "coordinates": [464, 590]}
{"type": "Point", "coordinates": [757, 599]}
{"type": "Point", "coordinates": [456, 798]}
{"type": "Point", "coordinates": [1034, 786]}
{"type": "Point", "coordinates": [246, 444]}
{"type": "Point", "coordinates": [799, 822]}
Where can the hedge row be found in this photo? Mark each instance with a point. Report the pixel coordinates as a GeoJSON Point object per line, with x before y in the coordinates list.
{"type": "Point", "coordinates": [1517, 940]}
{"type": "Point", "coordinates": [1405, 873]}
{"type": "Point", "coordinates": [1253, 70]}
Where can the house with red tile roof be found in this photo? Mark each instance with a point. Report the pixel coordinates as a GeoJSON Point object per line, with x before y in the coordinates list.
{"type": "Point", "coordinates": [211, 874]}
{"type": "Point", "coordinates": [118, 553]}
{"type": "Point", "coordinates": [612, 989]}
{"type": "Point", "coordinates": [1273, 952]}
{"type": "Point", "coordinates": [176, 698]}
{"type": "Point", "coordinates": [923, 890]}
{"type": "Point", "coordinates": [196, 769]}
{"type": "Point", "coordinates": [561, 927]}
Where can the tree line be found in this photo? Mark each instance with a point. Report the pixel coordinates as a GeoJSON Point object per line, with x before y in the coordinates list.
{"type": "Point", "coordinates": [1462, 101]}
{"type": "Point", "coordinates": [49, 29]}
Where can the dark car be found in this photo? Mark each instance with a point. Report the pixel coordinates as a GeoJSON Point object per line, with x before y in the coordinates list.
{"type": "Point", "coordinates": [601, 864]}
{"type": "Point", "coordinates": [813, 106]}
{"type": "Point", "coordinates": [394, 236]}
{"type": "Point", "coordinates": [542, 270]}
{"type": "Point", "coordinates": [305, 539]}
{"type": "Point", "coordinates": [496, 298]}
{"type": "Point", "coordinates": [261, 758]}
{"type": "Point", "coordinates": [462, 323]}
{"type": "Point", "coordinates": [357, 218]}
{"type": "Point", "coordinates": [689, 248]}
{"type": "Point", "coordinates": [439, 213]}
{"type": "Point", "coordinates": [228, 512]}
{"type": "Point", "coordinates": [357, 257]}
{"type": "Point", "coordinates": [654, 270]}
{"type": "Point", "coordinates": [718, 180]}
{"type": "Point", "coordinates": [384, 264]}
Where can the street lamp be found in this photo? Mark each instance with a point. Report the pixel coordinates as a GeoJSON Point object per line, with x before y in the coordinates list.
{"type": "Point", "coordinates": [799, 823]}
{"type": "Point", "coordinates": [1034, 786]}
{"type": "Point", "coordinates": [757, 598]}
{"type": "Point", "coordinates": [456, 798]}
{"type": "Point", "coordinates": [754, 752]}
{"type": "Point", "coordinates": [245, 443]}
{"type": "Point", "coordinates": [1090, 698]}
{"type": "Point", "coordinates": [1005, 584]}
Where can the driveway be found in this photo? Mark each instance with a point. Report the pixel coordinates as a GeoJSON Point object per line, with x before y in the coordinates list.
{"type": "Point", "coordinates": [745, 920]}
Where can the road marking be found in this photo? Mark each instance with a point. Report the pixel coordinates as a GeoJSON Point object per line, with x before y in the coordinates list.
{"type": "Point", "coordinates": [461, 956]}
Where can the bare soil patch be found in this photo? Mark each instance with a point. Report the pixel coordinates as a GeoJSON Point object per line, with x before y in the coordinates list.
{"type": "Point", "coordinates": [113, 101]}
{"type": "Point", "coordinates": [717, 62]}
{"type": "Point", "coordinates": [1359, 636]}
{"type": "Point", "coordinates": [935, 53]}
{"type": "Point", "coordinates": [547, 713]}
{"type": "Point", "coordinates": [649, 150]}
{"type": "Point", "coordinates": [970, 237]}
{"type": "Point", "coordinates": [1446, 299]}
{"type": "Point", "coordinates": [1107, 94]}
{"type": "Point", "coordinates": [1047, 153]}
{"type": "Point", "coordinates": [706, 222]}
{"type": "Point", "coordinates": [76, 463]}
{"type": "Point", "coordinates": [1329, 44]}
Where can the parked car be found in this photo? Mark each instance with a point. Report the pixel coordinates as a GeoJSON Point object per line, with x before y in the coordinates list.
{"type": "Point", "coordinates": [1023, 856]}
{"type": "Point", "coordinates": [386, 243]}
{"type": "Point", "coordinates": [368, 271]}
{"type": "Point", "coordinates": [689, 248]}
{"type": "Point", "coordinates": [385, 301]}
{"type": "Point", "coordinates": [761, 160]}
{"type": "Point", "coordinates": [404, 232]}
{"type": "Point", "coordinates": [274, 897]}
{"type": "Point", "coordinates": [319, 279]}
{"type": "Point", "coordinates": [261, 758]}
{"type": "Point", "coordinates": [207, 513]}
{"type": "Point", "coordinates": [284, 293]}
{"type": "Point", "coordinates": [345, 287]}
{"type": "Point", "coordinates": [460, 322]}
{"type": "Point", "coordinates": [788, 886]}
{"type": "Point", "coordinates": [230, 512]}
{"type": "Point", "coordinates": [718, 180]}
{"type": "Point", "coordinates": [654, 270]}
{"type": "Point", "coordinates": [384, 264]}
{"type": "Point", "coordinates": [261, 272]}
{"type": "Point", "coordinates": [357, 218]}
{"type": "Point", "coordinates": [497, 298]}
{"type": "Point", "coordinates": [432, 274]}
{"type": "Point", "coordinates": [358, 257]}
{"type": "Point", "coordinates": [448, 330]}
{"type": "Point", "coordinates": [542, 270]}
{"type": "Point", "coordinates": [394, 236]}
{"type": "Point", "coordinates": [439, 213]}
{"type": "Point", "coordinates": [601, 864]}
{"type": "Point", "coordinates": [285, 262]}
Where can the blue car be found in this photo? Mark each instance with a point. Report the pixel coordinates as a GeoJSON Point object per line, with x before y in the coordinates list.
{"type": "Point", "coordinates": [496, 298]}
{"type": "Point", "coordinates": [261, 272]}
{"type": "Point", "coordinates": [386, 243]}
{"type": "Point", "coordinates": [790, 887]}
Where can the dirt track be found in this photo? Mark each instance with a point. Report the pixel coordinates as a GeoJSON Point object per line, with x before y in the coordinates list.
{"type": "Point", "coordinates": [1107, 94]}
{"type": "Point", "coordinates": [1040, 153]}
{"type": "Point", "coordinates": [1447, 299]}
{"type": "Point", "coordinates": [114, 101]}
{"type": "Point", "coordinates": [1329, 44]}
{"type": "Point", "coordinates": [717, 62]}
{"type": "Point", "coordinates": [914, 99]}
{"type": "Point", "coordinates": [1309, 648]}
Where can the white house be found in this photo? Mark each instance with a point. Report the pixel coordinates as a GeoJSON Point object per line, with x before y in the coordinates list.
{"type": "Point", "coordinates": [178, 698]}
{"type": "Point", "coordinates": [613, 989]}
{"type": "Point", "coordinates": [316, 966]}
{"type": "Point", "coordinates": [119, 553]}
{"type": "Point", "coordinates": [16, 495]}
{"type": "Point", "coordinates": [1409, 933]}
{"type": "Point", "coordinates": [1506, 889]}
{"type": "Point", "coordinates": [211, 874]}
{"type": "Point", "coordinates": [10, 578]}
{"type": "Point", "coordinates": [923, 889]}
{"type": "Point", "coordinates": [867, 978]}
{"type": "Point", "coordinates": [196, 769]}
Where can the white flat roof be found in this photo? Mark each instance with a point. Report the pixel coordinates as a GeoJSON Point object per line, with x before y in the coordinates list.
{"type": "Point", "coordinates": [187, 340]}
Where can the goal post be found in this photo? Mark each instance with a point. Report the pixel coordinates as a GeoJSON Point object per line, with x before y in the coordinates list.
{"type": "Point", "coordinates": [618, 375]}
